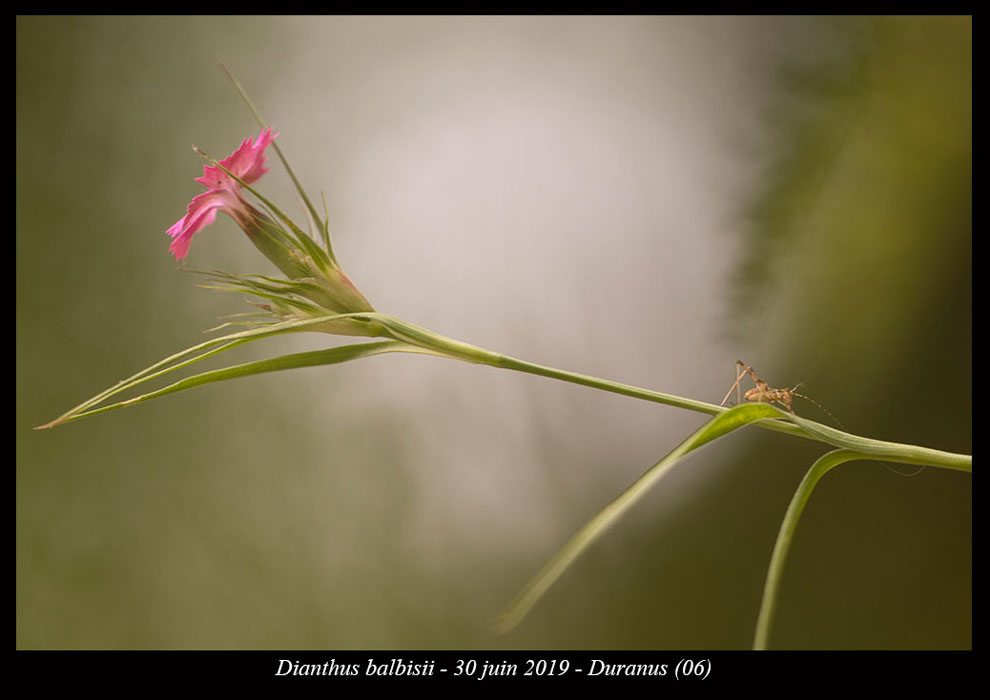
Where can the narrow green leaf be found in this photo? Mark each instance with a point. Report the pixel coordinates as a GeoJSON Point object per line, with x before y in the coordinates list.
{"type": "Point", "coordinates": [720, 425]}
{"type": "Point", "coordinates": [781, 547]}
{"type": "Point", "coordinates": [206, 349]}
{"type": "Point", "coordinates": [326, 231]}
{"type": "Point", "coordinates": [315, 358]}
{"type": "Point", "coordinates": [234, 324]}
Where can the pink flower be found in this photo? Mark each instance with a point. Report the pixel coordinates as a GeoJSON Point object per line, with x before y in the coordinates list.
{"type": "Point", "coordinates": [247, 163]}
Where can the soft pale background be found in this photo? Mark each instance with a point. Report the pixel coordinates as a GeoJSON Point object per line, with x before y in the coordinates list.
{"type": "Point", "coordinates": [645, 199]}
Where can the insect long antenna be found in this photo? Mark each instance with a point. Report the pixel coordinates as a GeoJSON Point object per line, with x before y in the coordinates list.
{"type": "Point", "coordinates": [886, 465]}
{"type": "Point", "coordinates": [825, 410]}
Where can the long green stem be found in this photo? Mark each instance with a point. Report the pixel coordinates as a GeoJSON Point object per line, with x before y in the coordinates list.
{"type": "Point", "coordinates": [768, 606]}
{"type": "Point", "coordinates": [794, 425]}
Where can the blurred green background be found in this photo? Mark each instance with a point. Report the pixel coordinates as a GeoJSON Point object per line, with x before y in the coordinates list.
{"type": "Point", "coordinates": [644, 199]}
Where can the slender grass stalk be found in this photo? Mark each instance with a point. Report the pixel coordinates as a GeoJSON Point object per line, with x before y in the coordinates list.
{"type": "Point", "coordinates": [782, 546]}
{"type": "Point", "coordinates": [726, 422]}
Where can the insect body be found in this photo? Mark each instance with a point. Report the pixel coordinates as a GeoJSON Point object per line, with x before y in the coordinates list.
{"type": "Point", "coordinates": [762, 392]}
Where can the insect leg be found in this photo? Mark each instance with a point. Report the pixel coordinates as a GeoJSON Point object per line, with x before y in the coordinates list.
{"type": "Point", "coordinates": [739, 378]}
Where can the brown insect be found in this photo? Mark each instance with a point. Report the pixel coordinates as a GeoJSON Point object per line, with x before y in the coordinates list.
{"type": "Point", "coordinates": [763, 392]}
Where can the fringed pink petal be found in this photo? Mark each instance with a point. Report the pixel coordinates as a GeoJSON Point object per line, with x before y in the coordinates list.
{"type": "Point", "coordinates": [247, 163]}
{"type": "Point", "coordinates": [200, 213]}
